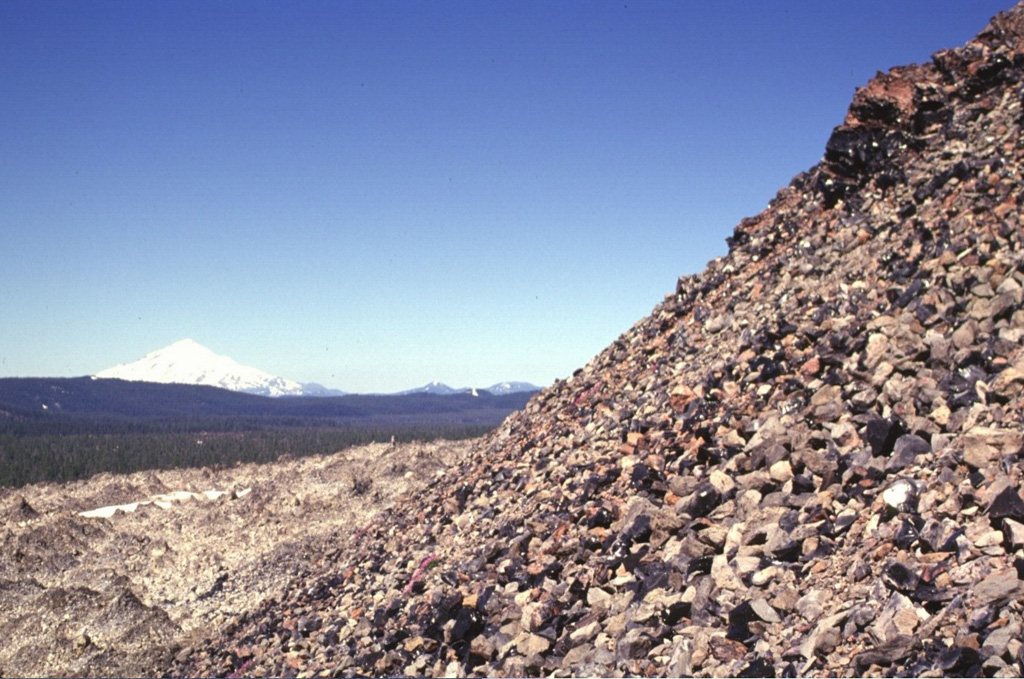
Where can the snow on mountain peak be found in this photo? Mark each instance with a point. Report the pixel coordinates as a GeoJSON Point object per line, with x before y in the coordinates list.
{"type": "Point", "coordinates": [188, 362]}
{"type": "Point", "coordinates": [511, 387]}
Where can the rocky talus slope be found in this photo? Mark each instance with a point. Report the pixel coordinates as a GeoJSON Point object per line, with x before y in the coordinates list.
{"type": "Point", "coordinates": [805, 461]}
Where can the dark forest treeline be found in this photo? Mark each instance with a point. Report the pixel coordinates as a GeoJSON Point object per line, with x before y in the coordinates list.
{"type": "Point", "coordinates": [60, 458]}
{"type": "Point", "coordinates": [38, 400]}
{"type": "Point", "coordinates": [63, 429]}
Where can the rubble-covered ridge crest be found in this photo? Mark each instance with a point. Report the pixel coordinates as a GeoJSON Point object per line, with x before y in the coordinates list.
{"type": "Point", "coordinates": [807, 461]}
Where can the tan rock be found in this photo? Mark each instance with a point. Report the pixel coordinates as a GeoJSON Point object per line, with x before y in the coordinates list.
{"type": "Point", "coordinates": [532, 644]}
{"type": "Point", "coordinates": [781, 471]}
{"type": "Point", "coordinates": [986, 445]}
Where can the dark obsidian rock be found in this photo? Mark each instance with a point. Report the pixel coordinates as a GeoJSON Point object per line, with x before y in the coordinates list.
{"type": "Point", "coordinates": [803, 483]}
{"type": "Point", "coordinates": [785, 328]}
{"type": "Point", "coordinates": [638, 531]}
{"type": "Point", "coordinates": [674, 613]}
{"type": "Point", "coordinates": [368, 659]}
{"type": "Point", "coordinates": [789, 551]}
{"type": "Point", "coordinates": [506, 531]}
{"type": "Point", "coordinates": [960, 383]}
{"type": "Point", "coordinates": [704, 501]}
{"type": "Point", "coordinates": [1008, 504]}
{"type": "Point", "coordinates": [855, 152]}
{"type": "Point", "coordinates": [700, 564]}
{"type": "Point", "coordinates": [925, 312]}
{"type": "Point", "coordinates": [738, 238]}
{"type": "Point", "coordinates": [820, 314]}
{"type": "Point", "coordinates": [871, 109]}
{"type": "Point", "coordinates": [634, 645]}
{"type": "Point", "coordinates": [902, 496]}
{"type": "Point", "coordinates": [739, 619]}
{"type": "Point", "coordinates": [653, 575]}
{"type": "Point", "coordinates": [380, 618]}
{"type": "Point", "coordinates": [329, 638]}
{"type": "Point", "coordinates": [892, 651]}
{"type": "Point", "coordinates": [890, 178]}
{"type": "Point", "coordinates": [934, 537]}
{"type": "Point", "coordinates": [711, 281]}
{"type": "Point", "coordinates": [910, 293]}
{"type": "Point", "coordinates": [833, 190]}
{"type": "Point", "coordinates": [766, 367]}
{"type": "Point", "coordinates": [602, 518]}
{"type": "Point", "coordinates": [906, 448]}
{"type": "Point", "coordinates": [881, 434]}
{"type": "Point", "coordinates": [900, 577]}
{"type": "Point", "coordinates": [468, 624]}
{"type": "Point", "coordinates": [986, 77]}
{"type": "Point", "coordinates": [930, 114]}
{"type": "Point", "coordinates": [640, 476]}
{"type": "Point", "coordinates": [758, 667]}
{"type": "Point", "coordinates": [462, 494]}
{"type": "Point", "coordinates": [931, 594]}
{"type": "Point", "coordinates": [907, 535]}
{"type": "Point", "coordinates": [308, 624]}
{"type": "Point", "coordinates": [450, 603]}
{"type": "Point", "coordinates": [907, 211]}
{"type": "Point", "coordinates": [958, 661]}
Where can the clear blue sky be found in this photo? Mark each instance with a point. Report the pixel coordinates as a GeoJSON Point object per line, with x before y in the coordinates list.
{"type": "Point", "coordinates": [373, 195]}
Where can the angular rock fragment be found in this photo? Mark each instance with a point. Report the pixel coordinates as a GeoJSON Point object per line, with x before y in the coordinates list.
{"type": "Point", "coordinates": [901, 496]}
{"type": "Point", "coordinates": [905, 451]}
{"type": "Point", "coordinates": [1007, 504]}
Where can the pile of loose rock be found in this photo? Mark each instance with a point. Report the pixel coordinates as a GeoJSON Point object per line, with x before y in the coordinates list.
{"type": "Point", "coordinates": [805, 461]}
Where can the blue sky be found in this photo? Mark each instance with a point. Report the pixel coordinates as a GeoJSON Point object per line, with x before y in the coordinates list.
{"type": "Point", "coordinates": [373, 195]}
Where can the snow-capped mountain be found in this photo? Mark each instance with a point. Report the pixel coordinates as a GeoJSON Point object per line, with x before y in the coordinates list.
{"type": "Point", "coordinates": [188, 362]}
{"type": "Point", "coordinates": [511, 388]}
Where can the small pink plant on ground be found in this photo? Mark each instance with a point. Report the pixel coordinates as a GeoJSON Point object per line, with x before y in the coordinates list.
{"type": "Point", "coordinates": [362, 531]}
{"type": "Point", "coordinates": [241, 669]}
{"type": "Point", "coordinates": [418, 575]}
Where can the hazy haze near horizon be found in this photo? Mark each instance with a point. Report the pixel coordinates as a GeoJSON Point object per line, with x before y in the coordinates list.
{"type": "Point", "coordinates": [376, 195]}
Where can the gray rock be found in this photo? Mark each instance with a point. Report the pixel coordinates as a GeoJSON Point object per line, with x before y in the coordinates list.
{"type": "Point", "coordinates": [905, 451]}
{"type": "Point", "coordinates": [998, 586]}
{"type": "Point", "coordinates": [997, 642]}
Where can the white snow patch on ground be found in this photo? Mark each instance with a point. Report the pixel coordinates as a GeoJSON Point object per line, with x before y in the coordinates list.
{"type": "Point", "coordinates": [163, 501]}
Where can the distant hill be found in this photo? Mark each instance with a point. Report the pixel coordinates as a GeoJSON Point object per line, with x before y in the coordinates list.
{"type": "Point", "coordinates": [40, 405]}
{"type": "Point", "coordinates": [511, 388]}
{"type": "Point", "coordinates": [498, 389]}
{"type": "Point", "coordinates": [189, 362]}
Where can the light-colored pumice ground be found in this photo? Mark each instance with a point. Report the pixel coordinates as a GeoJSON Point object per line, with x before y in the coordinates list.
{"type": "Point", "coordinates": [88, 595]}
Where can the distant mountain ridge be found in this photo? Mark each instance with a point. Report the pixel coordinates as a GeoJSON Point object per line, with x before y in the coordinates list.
{"type": "Point", "coordinates": [189, 362]}
{"type": "Point", "coordinates": [499, 389]}
{"type": "Point", "coordinates": [35, 405]}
